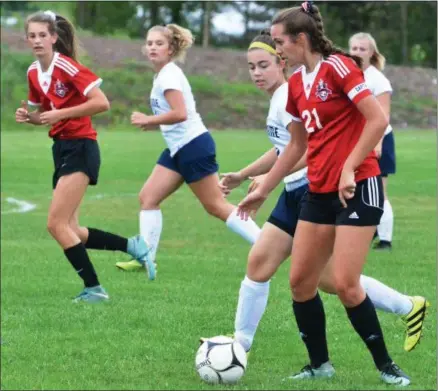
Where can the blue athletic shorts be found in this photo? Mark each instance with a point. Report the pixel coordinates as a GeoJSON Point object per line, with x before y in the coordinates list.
{"type": "Point", "coordinates": [193, 161]}
{"type": "Point", "coordinates": [387, 160]}
{"type": "Point", "coordinates": [286, 212]}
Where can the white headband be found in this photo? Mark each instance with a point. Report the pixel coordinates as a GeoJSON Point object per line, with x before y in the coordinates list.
{"type": "Point", "coordinates": [51, 14]}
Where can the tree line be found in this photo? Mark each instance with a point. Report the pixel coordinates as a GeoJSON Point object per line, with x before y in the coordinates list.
{"type": "Point", "coordinates": [406, 32]}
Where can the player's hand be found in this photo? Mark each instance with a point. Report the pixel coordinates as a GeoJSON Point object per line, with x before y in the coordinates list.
{"type": "Point", "coordinates": [251, 204]}
{"type": "Point", "coordinates": [231, 180]}
{"type": "Point", "coordinates": [22, 113]}
{"type": "Point", "coordinates": [256, 182]}
{"type": "Point", "coordinates": [347, 186]}
{"type": "Point", "coordinates": [378, 150]}
{"type": "Point", "coordinates": [224, 189]}
{"type": "Point", "coordinates": [51, 117]}
{"type": "Point", "coordinates": [141, 120]}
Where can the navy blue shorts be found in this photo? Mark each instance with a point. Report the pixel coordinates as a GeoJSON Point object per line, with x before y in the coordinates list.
{"type": "Point", "coordinates": [387, 160]}
{"type": "Point", "coordinates": [193, 161]}
{"type": "Point", "coordinates": [286, 212]}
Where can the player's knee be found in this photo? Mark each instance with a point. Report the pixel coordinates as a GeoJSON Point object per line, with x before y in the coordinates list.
{"type": "Point", "coordinates": [55, 226]}
{"type": "Point", "coordinates": [302, 289]}
{"type": "Point", "coordinates": [214, 209]}
{"type": "Point", "coordinates": [146, 201]}
{"type": "Point", "coordinates": [259, 269]}
{"type": "Point", "coordinates": [348, 290]}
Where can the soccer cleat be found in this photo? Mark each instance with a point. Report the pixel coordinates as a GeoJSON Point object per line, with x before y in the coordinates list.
{"type": "Point", "coordinates": [138, 248]}
{"type": "Point", "coordinates": [326, 370]}
{"type": "Point", "coordinates": [92, 295]}
{"type": "Point", "coordinates": [414, 322]}
{"type": "Point", "coordinates": [392, 374]}
{"type": "Point", "coordinates": [130, 266]}
{"type": "Point", "coordinates": [383, 245]}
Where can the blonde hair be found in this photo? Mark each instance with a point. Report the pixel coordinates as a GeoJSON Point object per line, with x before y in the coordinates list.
{"type": "Point", "coordinates": [377, 59]}
{"type": "Point", "coordinates": [180, 39]}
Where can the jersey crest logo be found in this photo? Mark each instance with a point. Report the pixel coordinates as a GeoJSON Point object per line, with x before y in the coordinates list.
{"type": "Point", "coordinates": [322, 91]}
{"type": "Point", "coordinates": [60, 89]}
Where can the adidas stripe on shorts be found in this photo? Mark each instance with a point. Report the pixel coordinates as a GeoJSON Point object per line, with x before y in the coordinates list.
{"type": "Point", "coordinates": [364, 209]}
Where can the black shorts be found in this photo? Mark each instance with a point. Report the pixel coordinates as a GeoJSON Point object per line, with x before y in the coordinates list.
{"type": "Point", "coordinates": [79, 155]}
{"type": "Point", "coordinates": [364, 209]}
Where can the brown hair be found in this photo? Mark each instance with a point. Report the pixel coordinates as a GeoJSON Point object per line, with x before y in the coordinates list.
{"type": "Point", "coordinates": [180, 39]}
{"type": "Point", "coordinates": [265, 37]}
{"type": "Point", "coordinates": [377, 59]}
{"type": "Point", "coordinates": [307, 19]}
{"type": "Point", "coordinates": [67, 43]}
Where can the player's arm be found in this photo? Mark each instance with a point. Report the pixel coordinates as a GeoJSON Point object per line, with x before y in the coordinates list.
{"type": "Point", "coordinates": [260, 166]}
{"type": "Point", "coordinates": [288, 160]}
{"type": "Point", "coordinates": [34, 116]}
{"type": "Point", "coordinates": [177, 113]}
{"type": "Point", "coordinates": [385, 101]}
{"type": "Point", "coordinates": [96, 103]}
{"type": "Point", "coordinates": [376, 123]}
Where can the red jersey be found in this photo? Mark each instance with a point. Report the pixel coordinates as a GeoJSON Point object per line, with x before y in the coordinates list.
{"type": "Point", "coordinates": [65, 84]}
{"type": "Point", "coordinates": [325, 100]}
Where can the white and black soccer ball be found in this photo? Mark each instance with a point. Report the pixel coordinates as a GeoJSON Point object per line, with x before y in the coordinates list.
{"type": "Point", "coordinates": [221, 360]}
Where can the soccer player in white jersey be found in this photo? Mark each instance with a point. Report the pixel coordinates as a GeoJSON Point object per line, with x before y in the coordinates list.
{"type": "Point", "coordinates": [364, 45]}
{"type": "Point", "coordinates": [274, 245]}
{"type": "Point", "coordinates": [191, 153]}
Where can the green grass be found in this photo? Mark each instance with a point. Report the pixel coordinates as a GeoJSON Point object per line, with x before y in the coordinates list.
{"type": "Point", "coordinates": [146, 336]}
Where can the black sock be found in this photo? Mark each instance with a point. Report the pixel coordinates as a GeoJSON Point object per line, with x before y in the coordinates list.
{"type": "Point", "coordinates": [364, 320]}
{"type": "Point", "coordinates": [78, 257]}
{"type": "Point", "coordinates": [101, 240]}
{"type": "Point", "coordinates": [310, 318]}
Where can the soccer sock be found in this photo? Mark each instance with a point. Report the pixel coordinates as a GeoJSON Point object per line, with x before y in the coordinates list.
{"type": "Point", "coordinates": [78, 257]}
{"type": "Point", "coordinates": [151, 225]}
{"type": "Point", "coordinates": [364, 320]}
{"type": "Point", "coordinates": [310, 319]}
{"type": "Point", "coordinates": [101, 240]}
{"type": "Point", "coordinates": [253, 298]}
{"type": "Point", "coordinates": [386, 225]}
{"type": "Point", "coordinates": [385, 298]}
{"type": "Point", "coordinates": [248, 230]}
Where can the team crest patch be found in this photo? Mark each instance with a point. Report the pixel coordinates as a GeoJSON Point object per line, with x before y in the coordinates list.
{"type": "Point", "coordinates": [322, 91]}
{"type": "Point", "coordinates": [60, 89]}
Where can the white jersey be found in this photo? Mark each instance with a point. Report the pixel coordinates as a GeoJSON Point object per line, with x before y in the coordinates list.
{"type": "Point", "coordinates": [276, 127]}
{"type": "Point", "coordinates": [171, 77]}
{"type": "Point", "coordinates": [378, 84]}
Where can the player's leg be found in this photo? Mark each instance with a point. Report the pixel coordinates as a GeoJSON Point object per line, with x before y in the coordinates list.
{"type": "Point", "coordinates": [163, 181]}
{"type": "Point", "coordinates": [352, 242]}
{"type": "Point", "coordinates": [67, 196]}
{"type": "Point", "coordinates": [313, 244]}
{"type": "Point", "coordinates": [270, 250]}
{"type": "Point", "coordinates": [266, 255]}
{"type": "Point", "coordinates": [198, 165]}
{"type": "Point", "coordinates": [387, 165]}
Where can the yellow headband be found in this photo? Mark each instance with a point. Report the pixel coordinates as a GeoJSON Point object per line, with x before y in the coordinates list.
{"type": "Point", "coordinates": [264, 46]}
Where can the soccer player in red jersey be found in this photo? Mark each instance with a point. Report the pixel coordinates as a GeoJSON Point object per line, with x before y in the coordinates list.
{"type": "Point", "coordinates": [338, 120]}
{"type": "Point", "coordinates": [66, 95]}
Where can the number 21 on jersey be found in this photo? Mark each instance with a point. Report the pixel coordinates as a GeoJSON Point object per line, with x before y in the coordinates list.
{"type": "Point", "coordinates": [307, 117]}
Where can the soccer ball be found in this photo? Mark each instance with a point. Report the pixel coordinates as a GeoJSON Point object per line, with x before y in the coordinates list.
{"type": "Point", "coordinates": [221, 360]}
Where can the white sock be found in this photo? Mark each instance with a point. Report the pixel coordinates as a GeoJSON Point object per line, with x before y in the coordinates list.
{"type": "Point", "coordinates": [253, 298]}
{"type": "Point", "coordinates": [385, 298]}
{"type": "Point", "coordinates": [151, 224]}
{"type": "Point", "coordinates": [384, 229]}
{"type": "Point", "coordinates": [248, 230]}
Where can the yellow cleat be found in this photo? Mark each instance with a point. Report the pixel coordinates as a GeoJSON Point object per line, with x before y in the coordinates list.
{"type": "Point", "coordinates": [414, 322]}
{"type": "Point", "coordinates": [131, 266]}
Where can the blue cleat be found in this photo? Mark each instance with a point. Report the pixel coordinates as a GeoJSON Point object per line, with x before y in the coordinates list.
{"type": "Point", "coordinates": [92, 295]}
{"type": "Point", "coordinates": [139, 249]}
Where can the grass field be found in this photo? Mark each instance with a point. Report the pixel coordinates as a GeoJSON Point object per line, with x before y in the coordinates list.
{"type": "Point", "coordinates": [147, 335]}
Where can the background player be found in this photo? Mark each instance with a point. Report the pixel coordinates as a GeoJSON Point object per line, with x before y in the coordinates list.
{"type": "Point", "coordinates": [191, 153]}
{"type": "Point", "coordinates": [364, 46]}
{"type": "Point", "coordinates": [66, 95]}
